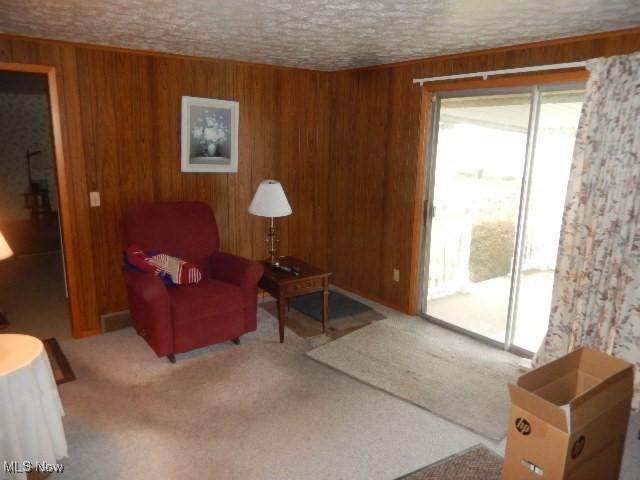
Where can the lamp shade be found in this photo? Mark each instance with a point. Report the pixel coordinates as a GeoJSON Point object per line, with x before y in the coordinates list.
{"type": "Point", "coordinates": [5, 250]}
{"type": "Point", "coordinates": [270, 200]}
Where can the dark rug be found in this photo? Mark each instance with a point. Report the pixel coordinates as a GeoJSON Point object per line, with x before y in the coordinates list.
{"type": "Point", "coordinates": [345, 315]}
{"type": "Point", "coordinates": [475, 463]}
{"type": "Point", "coordinates": [339, 305]}
{"type": "Point", "coordinates": [59, 364]}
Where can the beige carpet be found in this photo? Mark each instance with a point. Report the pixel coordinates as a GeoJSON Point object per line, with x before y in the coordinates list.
{"type": "Point", "coordinates": [475, 463]}
{"type": "Point", "coordinates": [258, 411]}
{"type": "Point", "coordinates": [262, 410]}
{"type": "Point", "coordinates": [448, 374]}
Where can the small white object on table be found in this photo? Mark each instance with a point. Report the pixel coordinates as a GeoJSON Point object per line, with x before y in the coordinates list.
{"type": "Point", "coordinates": [30, 407]}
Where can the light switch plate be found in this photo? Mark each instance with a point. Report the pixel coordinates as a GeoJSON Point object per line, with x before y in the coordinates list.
{"type": "Point", "coordinates": [94, 199]}
{"type": "Point", "coordinates": [396, 275]}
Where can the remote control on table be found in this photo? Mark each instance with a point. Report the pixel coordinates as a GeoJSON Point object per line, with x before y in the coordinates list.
{"type": "Point", "coordinates": [293, 270]}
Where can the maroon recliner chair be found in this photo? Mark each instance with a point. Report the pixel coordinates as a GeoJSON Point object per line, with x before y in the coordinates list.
{"type": "Point", "coordinates": [175, 319]}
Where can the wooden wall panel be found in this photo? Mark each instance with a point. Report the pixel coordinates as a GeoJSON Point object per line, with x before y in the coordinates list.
{"type": "Point", "coordinates": [358, 171]}
{"type": "Point", "coordinates": [344, 145]}
{"type": "Point", "coordinates": [304, 233]}
{"type": "Point", "coordinates": [376, 162]}
{"type": "Point", "coordinates": [121, 127]}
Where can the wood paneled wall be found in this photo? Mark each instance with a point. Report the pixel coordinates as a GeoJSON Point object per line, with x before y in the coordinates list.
{"type": "Point", "coordinates": [344, 144]}
{"type": "Point", "coordinates": [120, 115]}
{"type": "Point", "coordinates": [376, 159]}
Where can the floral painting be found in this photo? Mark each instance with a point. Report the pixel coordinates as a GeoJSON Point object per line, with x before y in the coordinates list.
{"type": "Point", "coordinates": [209, 135]}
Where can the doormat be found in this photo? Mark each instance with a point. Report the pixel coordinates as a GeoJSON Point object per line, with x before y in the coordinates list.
{"type": "Point", "coordinates": [339, 306]}
{"type": "Point", "coordinates": [475, 463]}
{"type": "Point", "coordinates": [345, 315]}
{"type": "Point", "coordinates": [62, 372]}
{"type": "Point", "coordinates": [451, 375]}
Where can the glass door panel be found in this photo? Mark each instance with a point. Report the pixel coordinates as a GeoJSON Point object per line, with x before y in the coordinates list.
{"type": "Point", "coordinates": [479, 164]}
{"type": "Point", "coordinates": [555, 137]}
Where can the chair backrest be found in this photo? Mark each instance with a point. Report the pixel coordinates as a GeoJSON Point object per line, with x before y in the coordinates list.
{"type": "Point", "coordinates": [184, 229]}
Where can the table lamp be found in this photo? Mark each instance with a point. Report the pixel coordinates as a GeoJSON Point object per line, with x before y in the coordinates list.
{"type": "Point", "coordinates": [270, 201]}
{"type": "Point", "coordinates": [5, 252]}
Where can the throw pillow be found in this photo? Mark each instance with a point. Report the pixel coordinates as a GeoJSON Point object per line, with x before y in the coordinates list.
{"type": "Point", "coordinates": [172, 270]}
{"type": "Point", "coordinates": [180, 271]}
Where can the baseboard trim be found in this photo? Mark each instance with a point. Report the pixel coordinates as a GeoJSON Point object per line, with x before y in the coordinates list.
{"type": "Point", "coordinates": [112, 321]}
{"type": "Point", "coordinates": [373, 298]}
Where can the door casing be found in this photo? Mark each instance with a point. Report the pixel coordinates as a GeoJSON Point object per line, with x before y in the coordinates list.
{"type": "Point", "coordinates": [64, 206]}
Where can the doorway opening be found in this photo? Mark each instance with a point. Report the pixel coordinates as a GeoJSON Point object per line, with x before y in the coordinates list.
{"type": "Point", "coordinates": [33, 288]}
{"type": "Point", "coordinates": [496, 186]}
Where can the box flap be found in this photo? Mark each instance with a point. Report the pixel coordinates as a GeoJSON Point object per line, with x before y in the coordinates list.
{"type": "Point", "coordinates": [599, 398]}
{"type": "Point", "coordinates": [599, 364]}
{"type": "Point", "coordinates": [539, 407]}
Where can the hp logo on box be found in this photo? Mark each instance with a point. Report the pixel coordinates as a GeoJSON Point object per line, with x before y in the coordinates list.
{"type": "Point", "coordinates": [523, 426]}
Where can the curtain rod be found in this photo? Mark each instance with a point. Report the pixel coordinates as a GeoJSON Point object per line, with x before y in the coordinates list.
{"type": "Point", "coordinates": [487, 74]}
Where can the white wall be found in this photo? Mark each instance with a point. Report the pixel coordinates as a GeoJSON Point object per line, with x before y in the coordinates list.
{"type": "Point", "coordinates": [24, 124]}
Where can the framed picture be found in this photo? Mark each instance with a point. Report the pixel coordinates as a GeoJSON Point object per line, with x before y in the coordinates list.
{"type": "Point", "coordinates": [209, 135]}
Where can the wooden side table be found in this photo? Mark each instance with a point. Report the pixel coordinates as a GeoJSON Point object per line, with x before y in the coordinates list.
{"type": "Point", "coordinates": [283, 285]}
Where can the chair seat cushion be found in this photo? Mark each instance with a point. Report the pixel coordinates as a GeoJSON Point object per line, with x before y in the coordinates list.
{"type": "Point", "coordinates": [209, 298]}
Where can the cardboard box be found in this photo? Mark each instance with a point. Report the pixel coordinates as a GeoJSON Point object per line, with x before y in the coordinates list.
{"type": "Point", "coordinates": [569, 419]}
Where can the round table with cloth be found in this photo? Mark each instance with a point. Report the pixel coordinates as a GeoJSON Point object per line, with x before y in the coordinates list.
{"type": "Point", "coordinates": [30, 407]}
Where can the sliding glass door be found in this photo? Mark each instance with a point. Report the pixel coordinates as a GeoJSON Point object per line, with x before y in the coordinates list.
{"type": "Point", "coordinates": [555, 133]}
{"type": "Point", "coordinates": [499, 167]}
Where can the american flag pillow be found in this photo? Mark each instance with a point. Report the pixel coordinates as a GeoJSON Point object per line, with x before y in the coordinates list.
{"type": "Point", "coordinates": [180, 271]}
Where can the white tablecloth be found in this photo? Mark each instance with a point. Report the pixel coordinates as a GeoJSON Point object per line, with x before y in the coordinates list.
{"type": "Point", "coordinates": [30, 407]}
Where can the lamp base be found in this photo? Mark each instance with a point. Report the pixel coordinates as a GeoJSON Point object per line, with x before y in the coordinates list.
{"type": "Point", "coordinates": [272, 242]}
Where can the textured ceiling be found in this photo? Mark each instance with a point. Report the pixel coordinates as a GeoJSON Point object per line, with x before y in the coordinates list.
{"type": "Point", "coordinates": [318, 34]}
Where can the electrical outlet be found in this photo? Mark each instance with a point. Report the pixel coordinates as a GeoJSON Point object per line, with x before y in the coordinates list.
{"type": "Point", "coordinates": [94, 199]}
{"type": "Point", "coordinates": [396, 275]}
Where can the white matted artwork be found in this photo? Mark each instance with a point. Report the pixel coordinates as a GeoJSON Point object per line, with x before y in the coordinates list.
{"type": "Point", "coordinates": [209, 135]}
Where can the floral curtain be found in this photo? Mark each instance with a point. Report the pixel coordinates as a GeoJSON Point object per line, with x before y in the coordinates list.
{"type": "Point", "coordinates": [596, 293]}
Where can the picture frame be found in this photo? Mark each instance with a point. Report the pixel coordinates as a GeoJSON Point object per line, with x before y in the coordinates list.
{"type": "Point", "coordinates": [209, 135]}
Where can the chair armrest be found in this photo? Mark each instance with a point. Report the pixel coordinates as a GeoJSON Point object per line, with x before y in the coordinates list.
{"type": "Point", "coordinates": [147, 287]}
{"type": "Point", "coordinates": [240, 271]}
{"type": "Point", "coordinates": [244, 273]}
